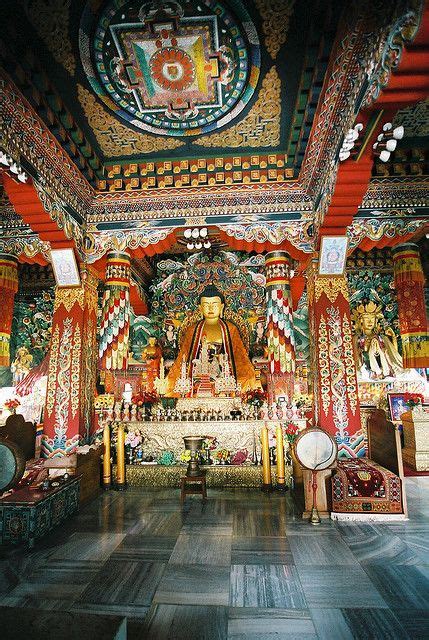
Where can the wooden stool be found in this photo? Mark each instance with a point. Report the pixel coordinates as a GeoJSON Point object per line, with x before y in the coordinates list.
{"type": "Point", "coordinates": [193, 484]}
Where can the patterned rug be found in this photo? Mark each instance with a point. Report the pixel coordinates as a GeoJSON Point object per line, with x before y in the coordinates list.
{"type": "Point", "coordinates": [361, 486]}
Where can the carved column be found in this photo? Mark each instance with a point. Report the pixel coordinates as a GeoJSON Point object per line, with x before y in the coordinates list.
{"type": "Point", "coordinates": [280, 335]}
{"type": "Point", "coordinates": [336, 402]}
{"type": "Point", "coordinates": [68, 419]}
{"type": "Point", "coordinates": [8, 289]}
{"type": "Point", "coordinates": [409, 283]}
{"type": "Point", "coordinates": [115, 315]}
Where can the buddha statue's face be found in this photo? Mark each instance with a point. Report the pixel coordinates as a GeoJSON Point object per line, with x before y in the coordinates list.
{"type": "Point", "coordinates": [368, 322]}
{"type": "Point", "coordinates": [211, 308]}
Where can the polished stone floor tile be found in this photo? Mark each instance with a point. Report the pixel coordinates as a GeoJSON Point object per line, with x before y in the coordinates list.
{"type": "Point", "coordinates": [181, 622]}
{"type": "Point", "coordinates": [377, 624]}
{"type": "Point", "coordinates": [124, 582]}
{"type": "Point", "coordinates": [321, 550]}
{"type": "Point", "coordinates": [272, 586]}
{"type": "Point", "coordinates": [134, 611]}
{"type": "Point", "coordinates": [263, 623]}
{"type": "Point", "coordinates": [414, 621]}
{"type": "Point", "coordinates": [263, 550]}
{"type": "Point", "coordinates": [193, 584]}
{"type": "Point", "coordinates": [330, 624]}
{"type": "Point", "coordinates": [253, 524]}
{"type": "Point", "coordinates": [207, 529]}
{"type": "Point", "coordinates": [87, 546]}
{"type": "Point", "coordinates": [401, 585]}
{"type": "Point", "coordinates": [202, 549]}
{"type": "Point", "coordinates": [383, 549]}
{"type": "Point", "coordinates": [338, 587]}
{"type": "Point", "coordinates": [158, 524]}
{"type": "Point", "coordinates": [149, 548]}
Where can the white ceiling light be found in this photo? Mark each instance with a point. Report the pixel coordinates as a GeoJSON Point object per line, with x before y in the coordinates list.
{"type": "Point", "coordinates": [187, 233]}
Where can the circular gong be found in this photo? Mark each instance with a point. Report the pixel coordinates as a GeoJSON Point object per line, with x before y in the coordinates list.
{"type": "Point", "coordinates": [315, 449]}
{"type": "Point", "coordinates": [12, 464]}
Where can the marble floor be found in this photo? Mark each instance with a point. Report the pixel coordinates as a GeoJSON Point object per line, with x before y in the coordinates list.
{"type": "Point", "coordinates": [242, 566]}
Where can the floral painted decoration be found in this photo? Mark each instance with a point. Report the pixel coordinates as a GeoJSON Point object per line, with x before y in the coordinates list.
{"type": "Point", "coordinates": [413, 399]}
{"type": "Point", "coordinates": [11, 404]}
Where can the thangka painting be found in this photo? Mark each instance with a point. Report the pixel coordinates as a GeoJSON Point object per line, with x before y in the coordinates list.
{"type": "Point", "coordinates": [32, 321]}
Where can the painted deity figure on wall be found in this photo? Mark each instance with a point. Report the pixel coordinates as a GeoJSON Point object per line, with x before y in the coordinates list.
{"type": "Point", "coordinates": [219, 337]}
{"type": "Point", "coordinates": [21, 365]}
{"type": "Point", "coordinates": [376, 349]}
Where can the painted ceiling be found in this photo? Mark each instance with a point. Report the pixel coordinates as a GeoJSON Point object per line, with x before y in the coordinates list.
{"type": "Point", "coordinates": [177, 80]}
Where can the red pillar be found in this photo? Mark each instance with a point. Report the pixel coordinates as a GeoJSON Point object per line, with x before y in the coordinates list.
{"type": "Point", "coordinates": [336, 401]}
{"type": "Point", "coordinates": [8, 288]}
{"type": "Point", "coordinates": [68, 419]}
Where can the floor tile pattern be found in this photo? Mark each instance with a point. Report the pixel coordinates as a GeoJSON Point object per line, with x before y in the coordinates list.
{"type": "Point", "coordinates": [242, 566]}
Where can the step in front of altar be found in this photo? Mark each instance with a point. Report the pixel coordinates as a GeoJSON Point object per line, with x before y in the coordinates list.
{"type": "Point", "coordinates": [218, 476]}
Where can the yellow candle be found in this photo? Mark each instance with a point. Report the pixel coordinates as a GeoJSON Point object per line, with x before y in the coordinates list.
{"type": "Point", "coordinates": [280, 456]}
{"type": "Point", "coordinates": [266, 467]}
{"type": "Point", "coordinates": [120, 457]}
{"type": "Point", "coordinates": [107, 468]}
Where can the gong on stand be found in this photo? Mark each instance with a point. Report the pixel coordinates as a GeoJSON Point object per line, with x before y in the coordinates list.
{"type": "Point", "coordinates": [316, 451]}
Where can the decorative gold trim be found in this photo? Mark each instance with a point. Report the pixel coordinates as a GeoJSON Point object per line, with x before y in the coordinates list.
{"type": "Point", "coordinates": [261, 126]}
{"type": "Point", "coordinates": [332, 287]}
{"type": "Point", "coordinates": [68, 297]}
{"type": "Point", "coordinates": [275, 23]}
{"type": "Point", "coordinates": [52, 374]}
{"type": "Point", "coordinates": [114, 138]}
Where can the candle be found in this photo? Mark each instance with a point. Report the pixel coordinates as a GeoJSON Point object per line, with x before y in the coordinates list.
{"type": "Point", "coordinates": [120, 458]}
{"type": "Point", "coordinates": [107, 470]}
{"type": "Point", "coordinates": [280, 458]}
{"type": "Point", "coordinates": [266, 468]}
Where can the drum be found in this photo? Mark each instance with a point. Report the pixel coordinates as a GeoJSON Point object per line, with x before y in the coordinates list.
{"type": "Point", "coordinates": [12, 464]}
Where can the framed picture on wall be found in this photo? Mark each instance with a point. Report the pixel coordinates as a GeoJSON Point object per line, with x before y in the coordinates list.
{"type": "Point", "coordinates": [333, 254]}
{"type": "Point", "coordinates": [397, 406]}
{"type": "Point", "coordinates": [65, 268]}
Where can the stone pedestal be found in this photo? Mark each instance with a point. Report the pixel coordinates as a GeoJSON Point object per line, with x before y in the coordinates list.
{"type": "Point", "coordinates": [415, 453]}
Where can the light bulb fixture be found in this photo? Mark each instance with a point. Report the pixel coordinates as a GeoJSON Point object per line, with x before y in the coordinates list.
{"type": "Point", "coordinates": [14, 168]}
{"type": "Point", "coordinates": [387, 126]}
{"type": "Point", "coordinates": [384, 155]}
{"type": "Point", "coordinates": [387, 141]}
{"type": "Point", "coordinates": [187, 233]}
{"type": "Point", "coordinates": [349, 141]}
{"type": "Point", "coordinates": [190, 246]}
{"type": "Point", "coordinates": [3, 158]}
{"type": "Point", "coordinates": [195, 233]}
{"type": "Point", "coordinates": [207, 244]}
{"type": "Point", "coordinates": [22, 177]}
{"type": "Point", "coordinates": [198, 245]}
{"type": "Point", "coordinates": [203, 232]}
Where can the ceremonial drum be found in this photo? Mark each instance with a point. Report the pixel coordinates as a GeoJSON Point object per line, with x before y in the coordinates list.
{"type": "Point", "coordinates": [12, 464]}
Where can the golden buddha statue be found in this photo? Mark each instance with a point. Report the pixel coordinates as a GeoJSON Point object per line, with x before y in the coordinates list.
{"type": "Point", "coordinates": [377, 350]}
{"type": "Point", "coordinates": [220, 337]}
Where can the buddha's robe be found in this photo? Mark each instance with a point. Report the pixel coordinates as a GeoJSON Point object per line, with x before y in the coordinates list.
{"type": "Point", "coordinates": [233, 346]}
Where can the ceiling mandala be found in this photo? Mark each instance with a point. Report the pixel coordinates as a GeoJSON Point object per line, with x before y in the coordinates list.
{"type": "Point", "coordinates": [171, 67]}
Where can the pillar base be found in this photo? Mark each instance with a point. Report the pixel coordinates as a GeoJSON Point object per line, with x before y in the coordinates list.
{"type": "Point", "coordinates": [267, 488]}
{"type": "Point", "coordinates": [121, 487]}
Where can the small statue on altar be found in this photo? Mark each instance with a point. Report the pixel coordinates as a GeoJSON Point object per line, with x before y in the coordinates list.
{"type": "Point", "coordinates": [377, 350]}
{"type": "Point", "coordinates": [21, 365]}
{"type": "Point", "coordinates": [218, 337]}
{"type": "Point", "coordinates": [151, 361]}
{"type": "Point", "coordinates": [169, 341]}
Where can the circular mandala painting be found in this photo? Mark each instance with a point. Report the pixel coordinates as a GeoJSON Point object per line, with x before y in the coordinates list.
{"type": "Point", "coordinates": [171, 67]}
